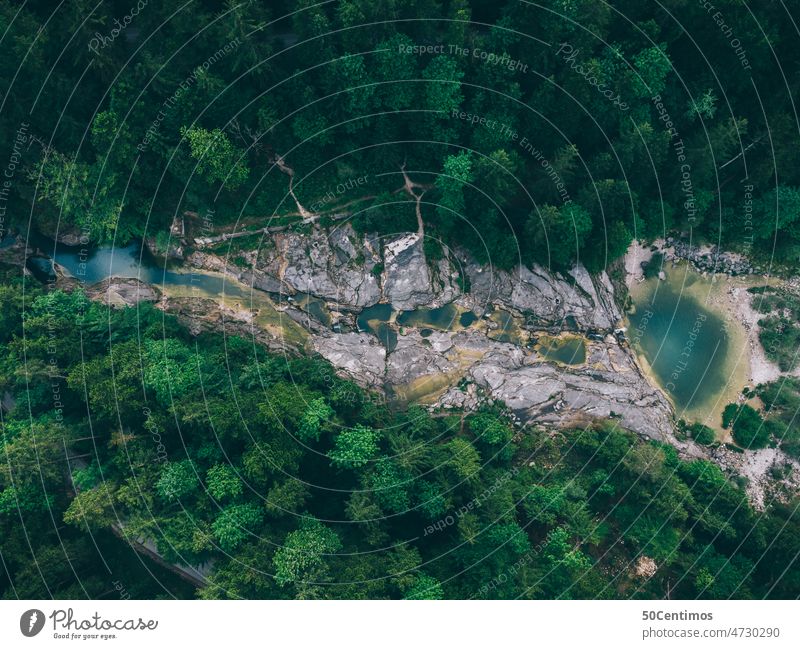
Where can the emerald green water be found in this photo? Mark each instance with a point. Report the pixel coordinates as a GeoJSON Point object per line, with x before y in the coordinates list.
{"type": "Point", "coordinates": [685, 344]}
{"type": "Point", "coordinates": [375, 320]}
{"type": "Point", "coordinates": [569, 351]}
{"type": "Point", "coordinates": [315, 307]}
{"type": "Point", "coordinates": [507, 329]}
{"type": "Point", "coordinates": [442, 318]}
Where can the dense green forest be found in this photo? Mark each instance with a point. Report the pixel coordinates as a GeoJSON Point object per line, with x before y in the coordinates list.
{"type": "Point", "coordinates": [549, 133]}
{"type": "Point", "coordinates": [296, 483]}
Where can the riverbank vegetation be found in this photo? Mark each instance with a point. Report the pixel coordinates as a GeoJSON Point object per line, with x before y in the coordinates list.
{"type": "Point", "coordinates": [774, 423]}
{"type": "Point", "coordinates": [133, 448]}
{"type": "Point", "coordinates": [779, 329]}
{"type": "Point", "coordinates": [288, 481]}
{"type": "Point", "coordinates": [222, 119]}
{"type": "Point", "coordinates": [747, 426]}
{"type": "Point", "coordinates": [781, 401]}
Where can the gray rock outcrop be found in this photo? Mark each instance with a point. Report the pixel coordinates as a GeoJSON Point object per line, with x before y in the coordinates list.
{"type": "Point", "coordinates": [550, 298]}
{"type": "Point", "coordinates": [123, 291]}
{"type": "Point", "coordinates": [353, 272]}
{"type": "Point", "coordinates": [359, 355]}
{"type": "Point", "coordinates": [608, 385]}
{"type": "Point", "coordinates": [710, 258]}
{"type": "Point", "coordinates": [252, 276]}
{"type": "Point", "coordinates": [336, 265]}
{"type": "Point", "coordinates": [547, 393]}
{"type": "Point", "coordinates": [415, 357]}
{"type": "Point", "coordinates": [409, 281]}
{"type": "Point", "coordinates": [341, 266]}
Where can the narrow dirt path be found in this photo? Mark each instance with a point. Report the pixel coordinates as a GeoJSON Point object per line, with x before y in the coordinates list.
{"type": "Point", "coordinates": [409, 187]}
{"type": "Point", "coordinates": [338, 213]}
{"type": "Point", "coordinates": [307, 216]}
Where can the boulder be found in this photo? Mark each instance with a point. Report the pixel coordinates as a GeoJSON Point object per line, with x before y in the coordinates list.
{"type": "Point", "coordinates": [123, 292]}
{"type": "Point", "coordinates": [550, 298]}
{"type": "Point", "coordinates": [357, 355]}
{"type": "Point", "coordinates": [336, 266]}
{"type": "Point", "coordinates": [252, 276]}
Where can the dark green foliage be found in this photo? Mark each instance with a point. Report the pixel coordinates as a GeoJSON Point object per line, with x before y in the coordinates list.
{"type": "Point", "coordinates": [222, 483]}
{"type": "Point", "coordinates": [779, 331]}
{"type": "Point", "coordinates": [302, 555]}
{"type": "Point", "coordinates": [781, 401]}
{"type": "Point", "coordinates": [425, 587]}
{"type": "Point", "coordinates": [354, 447]}
{"type": "Point", "coordinates": [240, 485]}
{"type": "Point", "coordinates": [729, 414]}
{"type": "Point", "coordinates": [234, 525]}
{"type": "Point", "coordinates": [490, 144]}
{"type": "Point", "coordinates": [177, 479]}
{"type": "Point", "coordinates": [293, 481]}
{"type": "Point", "coordinates": [556, 236]}
{"type": "Point", "coordinates": [702, 434]}
{"type": "Point", "coordinates": [749, 430]}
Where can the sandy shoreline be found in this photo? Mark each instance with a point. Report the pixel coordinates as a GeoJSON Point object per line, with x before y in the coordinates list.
{"type": "Point", "coordinates": [727, 297]}
{"type": "Point", "coordinates": [736, 300]}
